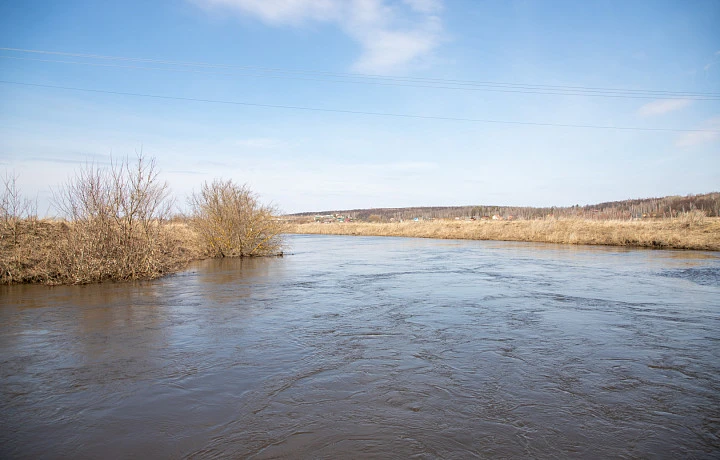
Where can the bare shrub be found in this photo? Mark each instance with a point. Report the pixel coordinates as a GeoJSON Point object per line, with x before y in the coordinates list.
{"type": "Point", "coordinates": [14, 207]}
{"type": "Point", "coordinates": [231, 222]}
{"type": "Point", "coordinates": [12, 202]}
{"type": "Point", "coordinates": [117, 223]}
{"type": "Point", "coordinates": [18, 218]}
{"type": "Point", "coordinates": [692, 218]}
{"type": "Point", "coordinates": [117, 226]}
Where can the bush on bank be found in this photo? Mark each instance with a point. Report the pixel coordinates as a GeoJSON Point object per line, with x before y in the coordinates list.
{"type": "Point", "coordinates": [230, 221]}
{"type": "Point", "coordinates": [116, 225]}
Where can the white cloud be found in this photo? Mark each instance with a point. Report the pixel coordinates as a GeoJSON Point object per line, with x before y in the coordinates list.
{"type": "Point", "coordinates": [403, 166]}
{"type": "Point", "coordinates": [662, 107]}
{"type": "Point", "coordinates": [411, 166]}
{"type": "Point", "coordinates": [714, 60]}
{"type": "Point", "coordinates": [388, 50]}
{"type": "Point", "coordinates": [280, 11]}
{"type": "Point", "coordinates": [393, 35]}
{"type": "Point", "coordinates": [696, 138]}
{"type": "Point", "coordinates": [260, 143]}
{"type": "Point", "coordinates": [427, 6]}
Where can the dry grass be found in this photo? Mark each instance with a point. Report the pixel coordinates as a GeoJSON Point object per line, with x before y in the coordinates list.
{"type": "Point", "coordinates": [117, 227]}
{"type": "Point", "coordinates": [687, 232]}
{"type": "Point", "coordinates": [56, 252]}
{"type": "Point", "coordinates": [25, 249]}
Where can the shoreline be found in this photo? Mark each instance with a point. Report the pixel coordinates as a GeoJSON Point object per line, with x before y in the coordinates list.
{"type": "Point", "coordinates": [41, 251]}
{"type": "Point", "coordinates": [654, 234]}
{"type": "Point", "coordinates": [39, 256]}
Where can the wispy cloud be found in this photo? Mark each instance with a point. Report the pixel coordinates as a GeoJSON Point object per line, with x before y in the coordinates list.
{"type": "Point", "coordinates": [280, 12]}
{"type": "Point", "coordinates": [662, 107]}
{"type": "Point", "coordinates": [185, 172]}
{"type": "Point", "coordinates": [87, 159]}
{"type": "Point", "coordinates": [392, 167]}
{"type": "Point", "coordinates": [393, 35]}
{"type": "Point", "coordinates": [260, 143]}
{"type": "Point", "coordinates": [714, 60]}
{"type": "Point", "coordinates": [425, 6]}
{"type": "Point", "coordinates": [406, 166]}
{"type": "Point", "coordinates": [694, 139]}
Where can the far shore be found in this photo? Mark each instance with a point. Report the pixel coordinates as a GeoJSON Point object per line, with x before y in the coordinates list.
{"type": "Point", "coordinates": [40, 251]}
{"type": "Point", "coordinates": [702, 234]}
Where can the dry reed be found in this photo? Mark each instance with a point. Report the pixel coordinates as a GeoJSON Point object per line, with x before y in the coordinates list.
{"type": "Point", "coordinates": [58, 252]}
{"type": "Point", "coordinates": [117, 228]}
{"type": "Point", "coordinates": [686, 232]}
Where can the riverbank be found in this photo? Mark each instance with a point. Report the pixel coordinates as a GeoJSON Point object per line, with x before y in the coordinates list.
{"type": "Point", "coordinates": [58, 252]}
{"type": "Point", "coordinates": [681, 233]}
{"type": "Point", "coordinates": [118, 225]}
{"type": "Point", "coordinates": [53, 252]}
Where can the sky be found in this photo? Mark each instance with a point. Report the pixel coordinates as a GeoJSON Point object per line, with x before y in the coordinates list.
{"type": "Point", "coordinates": [343, 104]}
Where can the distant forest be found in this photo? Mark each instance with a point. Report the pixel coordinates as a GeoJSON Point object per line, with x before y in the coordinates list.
{"type": "Point", "coordinates": [644, 208]}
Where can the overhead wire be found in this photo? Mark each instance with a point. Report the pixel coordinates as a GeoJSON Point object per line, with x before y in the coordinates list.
{"type": "Point", "coordinates": [385, 80]}
{"type": "Point", "coordinates": [372, 82]}
{"type": "Point", "coordinates": [354, 112]}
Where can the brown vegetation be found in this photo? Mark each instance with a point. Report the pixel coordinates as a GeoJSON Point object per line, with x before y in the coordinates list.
{"type": "Point", "coordinates": [649, 208]}
{"type": "Point", "coordinates": [45, 253]}
{"type": "Point", "coordinates": [688, 231]}
{"type": "Point", "coordinates": [230, 221]}
{"type": "Point", "coordinates": [116, 226]}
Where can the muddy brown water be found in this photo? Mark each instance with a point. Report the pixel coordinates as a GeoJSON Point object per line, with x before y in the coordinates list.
{"type": "Point", "coordinates": [373, 348]}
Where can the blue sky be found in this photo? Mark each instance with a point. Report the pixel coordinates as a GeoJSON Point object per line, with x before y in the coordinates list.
{"type": "Point", "coordinates": [318, 54]}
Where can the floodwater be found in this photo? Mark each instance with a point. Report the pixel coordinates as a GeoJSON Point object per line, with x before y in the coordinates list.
{"type": "Point", "coordinates": [373, 347]}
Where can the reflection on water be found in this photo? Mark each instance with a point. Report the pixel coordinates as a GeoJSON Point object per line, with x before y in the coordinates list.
{"type": "Point", "coordinates": [389, 347]}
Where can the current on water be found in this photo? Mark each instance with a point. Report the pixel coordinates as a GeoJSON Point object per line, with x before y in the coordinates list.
{"type": "Point", "coordinates": [373, 347]}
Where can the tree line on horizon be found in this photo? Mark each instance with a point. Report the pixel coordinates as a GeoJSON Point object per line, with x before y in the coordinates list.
{"type": "Point", "coordinates": [641, 208]}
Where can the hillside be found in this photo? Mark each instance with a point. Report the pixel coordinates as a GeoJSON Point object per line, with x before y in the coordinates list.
{"type": "Point", "coordinates": [648, 208]}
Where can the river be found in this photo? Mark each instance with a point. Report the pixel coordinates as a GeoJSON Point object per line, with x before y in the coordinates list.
{"type": "Point", "coordinates": [373, 347]}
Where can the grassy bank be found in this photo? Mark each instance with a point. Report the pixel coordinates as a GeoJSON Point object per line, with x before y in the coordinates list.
{"type": "Point", "coordinates": [57, 252]}
{"type": "Point", "coordinates": [686, 232]}
{"type": "Point", "coordinates": [60, 252]}
{"type": "Point", "coordinates": [117, 226]}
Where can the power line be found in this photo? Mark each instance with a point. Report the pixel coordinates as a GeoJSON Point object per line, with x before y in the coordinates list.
{"type": "Point", "coordinates": [356, 112]}
{"type": "Point", "coordinates": [372, 82]}
{"type": "Point", "coordinates": [352, 75]}
{"type": "Point", "coordinates": [384, 79]}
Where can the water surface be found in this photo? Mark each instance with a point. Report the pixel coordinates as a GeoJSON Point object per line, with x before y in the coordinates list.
{"type": "Point", "coordinates": [373, 347]}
